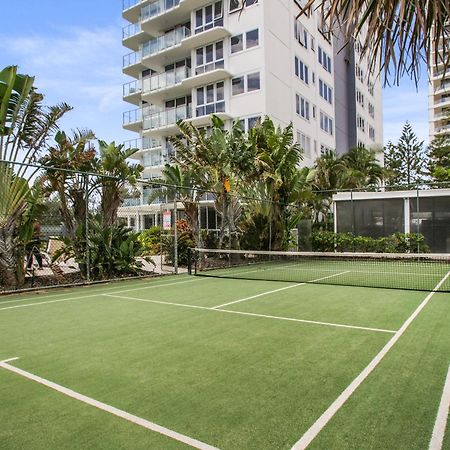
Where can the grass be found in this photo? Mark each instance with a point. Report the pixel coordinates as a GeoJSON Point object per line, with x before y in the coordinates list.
{"type": "Point", "coordinates": [233, 381]}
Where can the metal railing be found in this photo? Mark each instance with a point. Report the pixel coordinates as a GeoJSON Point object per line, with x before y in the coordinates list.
{"type": "Point", "coordinates": [145, 143]}
{"type": "Point", "coordinates": [133, 87]}
{"type": "Point", "coordinates": [165, 79]}
{"type": "Point", "coordinates": [127, 4]}
{"type": "Point", "coordinates": [131, 58]}
{"type": "Point", "coordinates": [131, 30]}
{"type": "Point", "coordinates": [165, 41]}
{"type": "Point", "coordinates": [158, 7]}
{"type": "Point", "coordinates": [167, 117]}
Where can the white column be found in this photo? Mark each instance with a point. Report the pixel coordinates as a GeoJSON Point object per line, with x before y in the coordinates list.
{"type": "Point", "coordinates": [407, 215]}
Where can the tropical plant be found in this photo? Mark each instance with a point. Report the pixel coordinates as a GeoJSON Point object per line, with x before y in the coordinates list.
{"type": "Point", "coordinates": [406, 162]}
{"type": "Point", "coordinates": [185, 241]}
{"type": "Point", "coordinates": [116, 174]}
{"type": "Point", "coordinates": [361, 168]}
{"type": "Point", "coordinates": [114, 251]}
{"type": "Point", "coordinates": [397, 35]}
{"type": "Point", "coordinates": [25, 126]}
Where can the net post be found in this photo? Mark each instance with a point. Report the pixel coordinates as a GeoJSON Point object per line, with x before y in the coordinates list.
{"type": "Point", "coordinates": [88, 258]}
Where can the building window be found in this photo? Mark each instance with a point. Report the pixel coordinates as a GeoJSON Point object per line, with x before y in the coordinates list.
{"type": "Point", "coordinates": [305, 143]}
{"type": "Point", "coordinates": [248, 123]}
{"type": "Point", "coordinates": [360, 123]}
{"type": "Point", "coordinates": [301, 70]}
{"type": "Point", "coordinates": [244, 41]}
{"type": "Point", "coordinates": [209, 58]}
{"type": "Point", "coordinates": [325, 92]}
{"type": "Point", "coordinates": [326, 123]}
{"type": "Point", "coordinates": [210, 99]}
{"type": "Point", "coordinates": [300, 34]}
{"type": "Point", "coordinates": [245, 83]}
{"type": "Point", "coordinates": [371, 110]}
{"type": "Point", "coordinates": [324, 148]}
{"type": "Point", "coordinates": [302, 106]}
{"type": "Point", "coordinates": [209, 17]}
{"type": "Point", "coordinates": [360, 98]}
{"type": "Point", "coordinates": [236, 5]}
{"type": "Point", "coordinates": [359, 73]}
{"type": "Point", "coordinates": [372, 133]}
{"type": "Point", "coordinates": [370, 86]}
{"type": "Point", "coordinates": [324, 59]}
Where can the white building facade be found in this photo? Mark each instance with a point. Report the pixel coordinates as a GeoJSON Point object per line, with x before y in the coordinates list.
{"type": "Point", "coordinates": [439, 94]}
{"type": "Point", "coordinates": [194, 58]}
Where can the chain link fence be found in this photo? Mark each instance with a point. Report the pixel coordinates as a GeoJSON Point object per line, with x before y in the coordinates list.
{"type": "Point", "coordinates": [77, 227]}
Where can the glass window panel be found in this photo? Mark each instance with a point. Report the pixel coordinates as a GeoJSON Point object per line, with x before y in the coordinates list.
{"type": "Point", "coordinates": [253, 82]}
{"type": "Point", "coordinates": [237, 85]}
{"type": "Point", "coordinates": [199, 57]}
{"type": "Point", "coordinates": [199, 18]}
{"type": "Point", "coordinates": [220, 107]}
{"type": "Point", "coordinates": [219, 50]}
{"type": "Point", "coordinates": [237, 43]}
{"type": "Point", "coordinates": [218, 10]}
{"type": "Point", "coordinates": [210, 93]}
{"type": "Point", "coordinates": [209, 53]}
{"type": "Point", "coordinates": [252, 122]}
{"type": "Point", "coordinates": [200, 96]}
{"type": "Point", "coordinates": [234, 5]}
{"type": "Point", "coordinates": [209, 14]}
{"type": "Point", "coordinates": [252, 38]}
{"type": "Point", "coordinates": [220, 94]}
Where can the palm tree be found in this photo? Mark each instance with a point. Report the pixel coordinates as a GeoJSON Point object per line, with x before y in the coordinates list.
{"type": "Point", "coordinates": [277, 180]}
{"type": "Point", "coordinates": [396, 35]}
{"type": "Point", "coordinates": [116, 174]}
{"type": "Point", "coordinates": [362, 168]}
{"type": "Point", "coordinates": [25, 126]}
{"type": "Point", "coordinates": [218, 157]}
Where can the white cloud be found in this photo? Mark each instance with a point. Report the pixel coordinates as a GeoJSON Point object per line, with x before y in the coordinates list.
{"type": "Point", "coordinates": [79, 66]}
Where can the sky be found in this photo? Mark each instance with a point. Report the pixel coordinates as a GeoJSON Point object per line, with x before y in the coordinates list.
{"type": "Point", "coordinates": [74, 50]}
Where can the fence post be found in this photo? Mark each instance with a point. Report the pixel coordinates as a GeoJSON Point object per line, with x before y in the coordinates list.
{"type": "Point", "coordinates": [88, 256]}
{"type": "Point", "coordinates": [175, 235]}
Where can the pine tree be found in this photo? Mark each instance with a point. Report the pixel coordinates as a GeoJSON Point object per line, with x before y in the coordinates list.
{"type": "Point", "coordinates": [439, 164]}
{"type": "Point", "coordinates": [407, 161]}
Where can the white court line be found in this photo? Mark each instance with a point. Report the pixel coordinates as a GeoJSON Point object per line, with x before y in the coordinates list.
{"type": "Point", "coordinates": [265, 316]}
{"type": "Point", "coordinates": [317, 427]}
{"type": "Point", "coordinates": [108, 408]}
{"type": "Point", "coordinates": [98, 294]}
{"type": "Point", "coordinates": [277, 290]}
{"type": "Point", "coordinates": [437, 438]}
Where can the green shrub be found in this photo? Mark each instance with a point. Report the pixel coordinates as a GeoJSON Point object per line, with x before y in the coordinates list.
{"type": "Point", "coordinates": [151, 240]}
{"type": "Point", "coordinates": [327, 241]}
{"type": "Point", "coordinates": [185, 240]}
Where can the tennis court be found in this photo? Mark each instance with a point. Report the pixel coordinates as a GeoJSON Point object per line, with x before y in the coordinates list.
{"type": "Point", "coordinates": [229, 362]}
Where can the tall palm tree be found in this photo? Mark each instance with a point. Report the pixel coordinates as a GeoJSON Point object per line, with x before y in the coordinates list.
{"type": "Point", "coordinates": [396, 35]}
{"type": "Point", "coordinates": [362, 169]}
{"type": "Point", "coordinates": [116, 174]}
{"type": "Point", "coordinates": [25, 126]}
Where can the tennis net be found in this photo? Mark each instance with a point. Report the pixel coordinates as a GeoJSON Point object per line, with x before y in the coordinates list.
{"type": "Point", "coordinates": [422, 272]}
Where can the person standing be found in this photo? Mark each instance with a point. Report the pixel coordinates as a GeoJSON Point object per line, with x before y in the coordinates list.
{"type": "Point", "coordinates": [34, 247]}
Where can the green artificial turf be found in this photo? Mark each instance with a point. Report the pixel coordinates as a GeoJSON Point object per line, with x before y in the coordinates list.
{"type": "Point", "coordinates": [232, 381]}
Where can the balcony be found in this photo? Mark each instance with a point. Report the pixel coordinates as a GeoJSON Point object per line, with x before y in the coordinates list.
{"type": "Point", "coordinates": [445, 130]}
{"type": "Point", "coordinates": [133, 36]}
{"type": "Point", "coordinates": [442, 88]}
{"type": "Point", "coordinates": [132, 92]}
{"type": "Point", "coordinates": [156, 87]}
{"type": "Point", "coordinates": [131, 9]}
{"type": "Point", "coordinates": [444, 101]}
{"type": "Point", "coordinates": [169, 44]}
{"type": "Point", "coordinates": [165, 121]}
{"type": "Point", "coordinates": [132, 64]}
{"type": "Point", "coordinates": [143, 145]}
{"type": "Point", "coordinates": [132, 120]}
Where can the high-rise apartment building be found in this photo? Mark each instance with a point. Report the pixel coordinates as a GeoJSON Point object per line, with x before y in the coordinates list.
{"type": "Point", "coordinates": [439, 94]}
{"type": "Point", "coordinates": [194, 58]}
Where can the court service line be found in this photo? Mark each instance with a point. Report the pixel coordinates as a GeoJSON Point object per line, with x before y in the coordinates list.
{"type": "Point", "coordinates": [108, 408]}
{"type": "Point", "coordinates": [328, 414]}
{"type": "Point", "coordinates": [277, 290]}
{"type": "Point", "coordinates": [242, 313]}
{"type": "Point", "coordinates": [437, 438]}
{"type": "Point", "coordinates": [98, 294]}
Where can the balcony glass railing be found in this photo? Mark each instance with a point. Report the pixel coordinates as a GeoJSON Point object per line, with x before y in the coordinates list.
{"type": "Point", "coordinates": [156, 158]}
{"type": "Point", "coordinates": [131, 30]}
{"type": "Point", "coordinates": [131, 58]}
{"type": "Point", "coordinates": [131, 202]}
{"type": "Point", "coordinates": [164, 42]}
{"type": "Point", "coordinates": [136, 115]}
{"type": "Point", "coordinates": [443, 100]}
{"type": "Point", "coordinates": [127, 4]}
{"type": "Point", "coordinates": [158, 7]}
{"type": "Point", "coordinates": [165, 79]}
{"type": "Point", "coordinates": [167, 117]}
{"type": "Point", "coordinates": [145, 143]}
{"type": "Point", "coordinates": [134, 87]}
